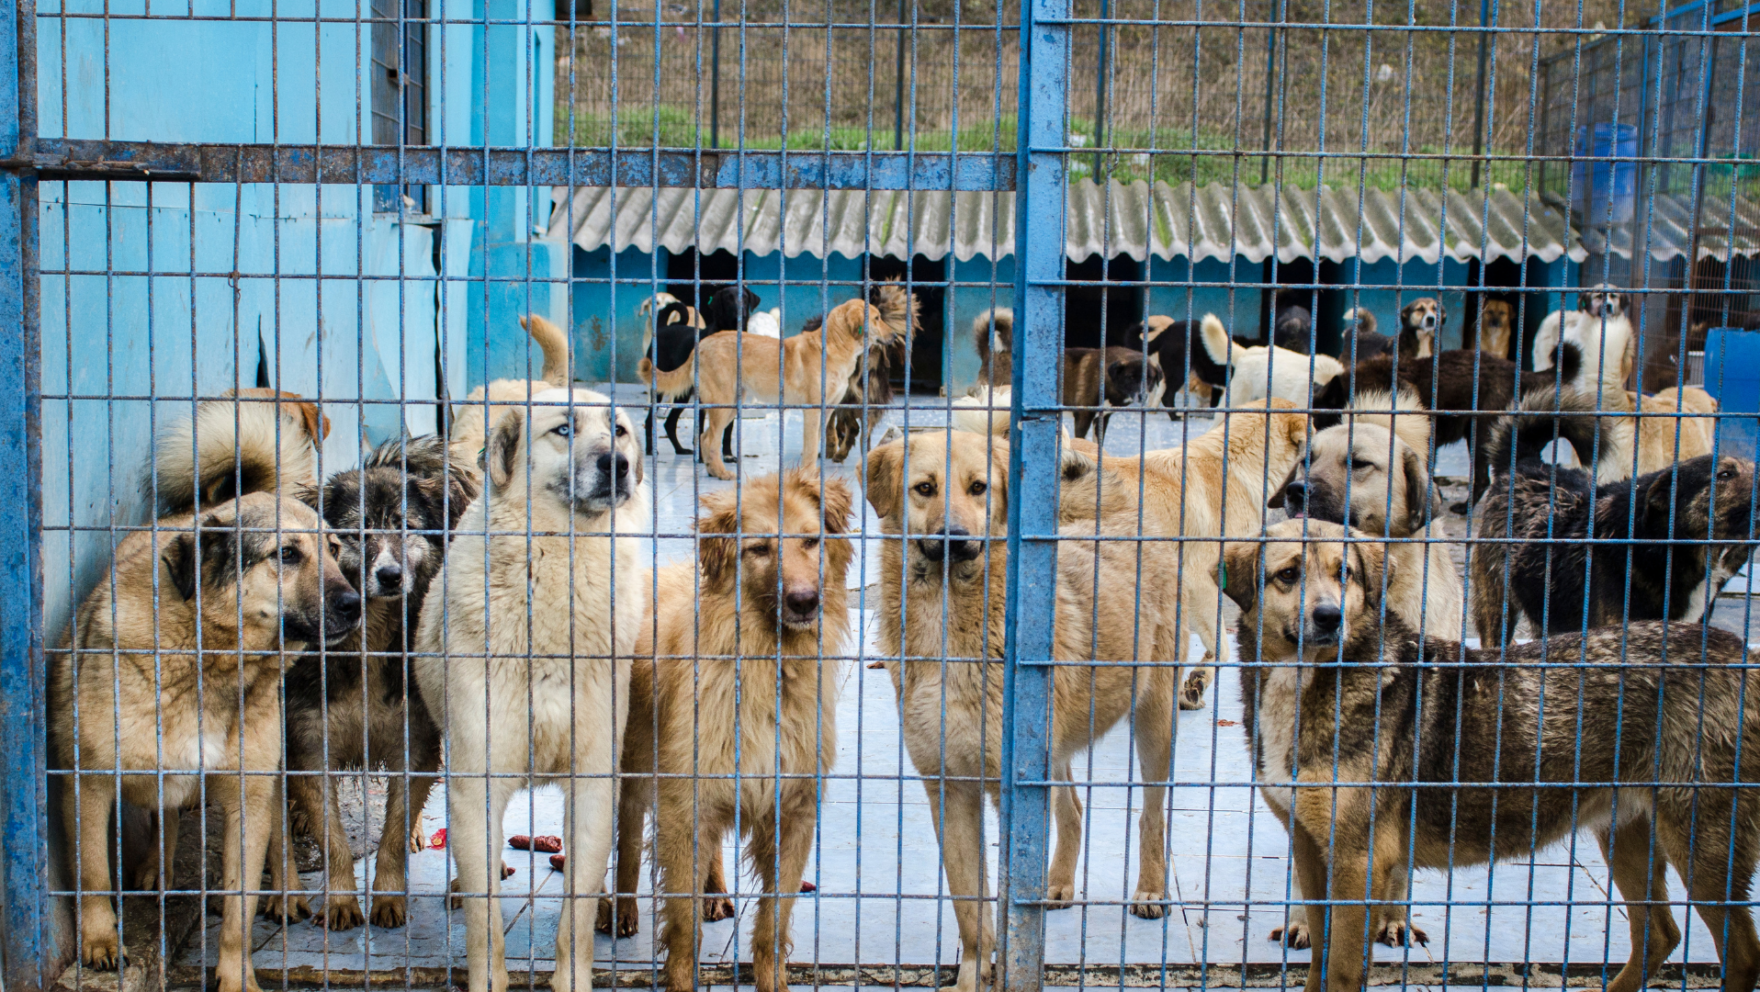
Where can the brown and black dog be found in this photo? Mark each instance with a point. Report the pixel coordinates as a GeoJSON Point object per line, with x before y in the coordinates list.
{"type": "Point", "coordinates": [1096, 381]}
{"type": "Point", "coordinates": [737, 673]}
{"type": "Point", "coordinates": [1335, 689]}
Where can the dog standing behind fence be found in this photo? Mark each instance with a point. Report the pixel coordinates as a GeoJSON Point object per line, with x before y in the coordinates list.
{"type": "Point", "coordinates": [1652, 702]}
{"type": "Point", "coordinates": [250, 582]}
{"type": "Point", "coordinates": [541, 649]}
{"type": "Point", "coordinates": [742, 680]}
{"type": "Point", "coordinates": [945, 514]}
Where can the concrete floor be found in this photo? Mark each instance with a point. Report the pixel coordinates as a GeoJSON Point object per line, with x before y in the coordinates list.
{"type": "Point", "coordinates": [876, 863]}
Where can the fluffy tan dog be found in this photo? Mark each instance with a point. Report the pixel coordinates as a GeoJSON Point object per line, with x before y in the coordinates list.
{"type": "Point", "coordinates": [538, 686]}
{"type": "Point", "coordinates": [750, 598]}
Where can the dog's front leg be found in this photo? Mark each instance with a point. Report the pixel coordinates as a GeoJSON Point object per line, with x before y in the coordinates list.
{"type": "Point", "coordinates": [1339, 818]}
{"type": "Point", "coordinates": [779, 853]}
{"type": "Point", "coordinates": [287, 903]}
{"type": "Point", "coordinates": [246, 801]}
{"type": "Point", "coordinates": [1654, 932]}
{"type": "Point", "coordinates": [90, 805]}
{"type": "Point", "coordinates": [589, 819]}
{"type": "Point", "coordinates": [959, 821]}
{"type": "Point", "coordinates": [813, 432]}
{"type": "Point", "coordinates": [474, 835]}
{"type": "Point", "coordinates": [403, 827]}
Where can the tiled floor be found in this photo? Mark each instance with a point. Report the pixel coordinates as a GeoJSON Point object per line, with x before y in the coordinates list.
{"type": "Point", "coordinates": [877, 867]}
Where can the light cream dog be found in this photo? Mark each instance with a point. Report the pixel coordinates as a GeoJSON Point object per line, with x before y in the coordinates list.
{"type": "Point", "coordinates": [749, 638]}
{"type": "Point", "coordinates": [810, 369]}
{"type": "Point", "coordinates": [943, 499]}
{"type": "Point", "coordinates": [538, 682]}
{"type": "Point", "coordinates": [1255, 373]}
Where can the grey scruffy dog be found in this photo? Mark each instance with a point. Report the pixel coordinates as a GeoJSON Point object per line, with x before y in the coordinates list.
{"type": "Point", "coordinates": [1633, 733]}
{"type": "Point", "coordinates": [392, 515]}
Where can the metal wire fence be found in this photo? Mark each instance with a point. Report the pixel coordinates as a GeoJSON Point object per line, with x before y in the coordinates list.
{"type": "Point", "coordinates": [1080, 494]}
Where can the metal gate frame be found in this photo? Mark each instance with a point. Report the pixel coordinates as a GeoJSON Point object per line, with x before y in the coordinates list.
{"type": "Point", "coordinates": [1034, 172]}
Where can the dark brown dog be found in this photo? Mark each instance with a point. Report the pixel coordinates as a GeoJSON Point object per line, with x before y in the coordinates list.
{"type": "Point", "coordinates": [1095, 381]}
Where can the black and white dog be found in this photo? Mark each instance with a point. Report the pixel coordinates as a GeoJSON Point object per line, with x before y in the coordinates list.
{"type": "Point", "coordinates": [675, 339]}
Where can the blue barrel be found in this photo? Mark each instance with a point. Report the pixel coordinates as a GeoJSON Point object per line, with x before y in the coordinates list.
{"type": "Point", "coordinates": [1599, 185]}
{"type": "Point", "coordinates": [1732, 377]}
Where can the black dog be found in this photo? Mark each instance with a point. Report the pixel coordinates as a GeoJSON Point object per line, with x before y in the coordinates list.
{"type": "Point", "coordinates": [1689, 526]}
{"type": "Point", "coordinates": [392, 515]}
{"type": "Point", "coordinates": [1168, 343]}
{"type": "Point", "coordinates": [675, 340]}
{"type": "Point", "coordinates": [1096, 380]}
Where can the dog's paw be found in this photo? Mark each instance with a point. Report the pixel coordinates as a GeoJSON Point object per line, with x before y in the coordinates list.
{"type": "Point", "coordinates": [1400, 933]}
{"type": "Point", "coordinates": [418, 841]}
{"type": "Point", "coordinates": [101, 951]}
{"type": "Point", "coordinates": [285, 909]}
{"type": "Point", "coordinates": [1148, 904]}
{"type": "Point", "coordinates": [716, 908]}
{"type": "Point", "coordinates": [627, 924]}
{"type": "Point", "coordinates": [231, 981]}
{"type": "Point", "coordinates": [1059, 895]}
{"type": "Point", "coordinates": [389, 911]}
{"type": "Point", "coordinates": [1197, 684]}
{"type": "Point", "coordinates": [342, 912]}
{"type": "Point", "coordinates": [456, 901]}
{"type": "Point", "coordinates": [1294, 936]}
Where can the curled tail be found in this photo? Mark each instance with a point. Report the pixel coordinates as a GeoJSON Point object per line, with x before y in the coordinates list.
{"type": "Point", "coordinates": [232, 448]}
{"type": "Point", "coordinates": [554, 342]}
{"type": "Point", "coordinates": [1216, 342]}
{"type": "Point", "coordinates": [993, 335]}
{"type": "Point", "coordinates": [1539, 421]}
{"type": "Point", "coordinates": [898, 308]}
{"type": "Point", "coordinates": [1362, 318]}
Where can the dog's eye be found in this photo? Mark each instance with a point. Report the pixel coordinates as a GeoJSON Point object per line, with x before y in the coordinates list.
{"type": "Point", "coordinates": [564, 429]}
{"type": "Point", "coordinates": [1358, 465]}
{"type": "Point", "coordinates": [810, 543]}
{"type": "Point", "coordinates": [758, 550]}
{"type": "Point", "coordinates": [620, 431]}
{"type": "Point", "coordinates": [925, 489]}
{"type": "Point", "coordinates": [290, 555]}
{"type": "Point", "coordinates": [978, 488]}
{"type": "Point", "coordinates": [1291, 574]}
{"type": "Point", "coordinates": [1726, 473]}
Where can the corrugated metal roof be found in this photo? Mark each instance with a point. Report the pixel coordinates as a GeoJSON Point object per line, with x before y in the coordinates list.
{"type": "Point", "coordinates": [1135, 219]}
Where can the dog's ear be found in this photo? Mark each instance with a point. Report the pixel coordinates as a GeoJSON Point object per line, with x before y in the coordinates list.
{"type": "Point", "coordinates": [317, 425]}
{"type": "Point", "coordinates": [1240, 574]}
{"type": "Point", "coordinates": [1405, 313]}
{"type": "Point", "coordinates": [1371, 560]}
{"type": "Point", "coordinates": [179, 555]}
{"type": "Point", "coordinates": [998, 491]}
{"type": "Point", "coordinates": [884, 488]}
{"type": "Point", "coordinates": [309, 494]}
{"type": "Point", "coordinates": [717, 548]}
{"type": "Point", "coordinates": [836, 501]}
{"type": "Point", "coordinates": [503, 449]}
{"type": "Point", "coordinates": [463, 494]}
{"type": "Point", "coordinates": [1423, 504]}
{"type": "Point", "coordinates": [1276, 500]}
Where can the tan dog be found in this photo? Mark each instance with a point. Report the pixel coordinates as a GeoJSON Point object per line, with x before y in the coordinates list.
{"type": "Point", "coordinates": [527, 601]}
{"type": "Point", "coordinates": [749, 598]}
{"type": "Point", "coordinates": [1215, 487]}
{"type": "Point", "coordinates": [483, 408]}
{"type": "Point", "coordinates": [1364, 477]}
{"type": "Point", "coordinates": [946, 516]}
{"type": "Point", "coordinates": [1496, 324]}
{"type": "Point", "coordinates": [254, 584]}
{"type": "Point", "coordinates": [811, 369]}
{"type": "Point", "coordinates": [1655, 432]}
{"type": "Point", "coordinates": [1657, 706]}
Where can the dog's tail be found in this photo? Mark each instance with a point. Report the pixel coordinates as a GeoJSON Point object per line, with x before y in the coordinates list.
{"type": "Point", "coordinates": [993, 332]}
{"type": "Point", "coordinates": [554, 341]}
{"type": "Point", "coordinates": [898, 307]}
{"type": "Point", "coordinates": [1539, 421]}
{"type": "Point", "coordinates": [1362, 318]}
{"type": "Point", "coordinates": [1216, 342]}
{"type": "Point", "coordinates": [985, 412]}
{"type": "Point", "coordinates": [232, 448]}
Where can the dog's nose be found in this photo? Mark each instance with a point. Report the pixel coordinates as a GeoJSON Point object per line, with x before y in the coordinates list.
{"type": "Point", "coordinates": [389, 576]}
{"type": "Point", "coordinates": [802, 602]}
{"type": "Point", "coordinates": [346, 605]}
{"type": "Point", "coordinates": [1429, 321]}
{"type": "Point", "coordinates": [1295, 498]}
{"type": "Point", "coordinates": [961, 550]}
{"type": "Point", "coordinates": [614, 464]}
{"type": "Point", "coordinates": [1328, 617]}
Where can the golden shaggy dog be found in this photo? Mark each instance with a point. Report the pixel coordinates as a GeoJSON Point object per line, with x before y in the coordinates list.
{"type": "Point", "coordinates": [539, 687]}
{"type": "Point", "coordinates": [720, 623]}
{"type": "Point", "coordinates": [943, 500]}
{"type": "Point", "coordinates": [252, 584]}
{"type": "Point", "coordinates": [811, 369]}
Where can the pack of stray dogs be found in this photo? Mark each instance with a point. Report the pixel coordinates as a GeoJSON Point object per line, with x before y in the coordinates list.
{"type": "Point", "coordinates": [274, 627]}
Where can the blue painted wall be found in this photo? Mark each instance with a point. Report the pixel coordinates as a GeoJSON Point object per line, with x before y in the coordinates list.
{"type": "Point", "coordinates": [1175, 291]}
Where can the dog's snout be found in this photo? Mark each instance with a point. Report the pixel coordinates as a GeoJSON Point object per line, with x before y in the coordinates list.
{"type": "Point", "coordinates": [802, 602]}
{"type": "Point", "coordinates": [954, 541]}
{"type": "Point", "coordinates": [1328, 618]}
{"type": "Point", "coordinates": [345, 605]}
{"type": "Point", "coordinates": [614, 464]}
{"type": "Point", "coordinates": [389, 576]}
{"type": "Point", "coordinates": [1429, 322]}
{"type": "Point", "coordinates": [1295, 498]}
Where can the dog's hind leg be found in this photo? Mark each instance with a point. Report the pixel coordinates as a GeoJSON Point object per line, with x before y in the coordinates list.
{"type": "Point", "coordinates": [779, 853]}
{"type": "Point", "coordinates": [155, 870]}
{"type": "Point", "coordinates": [1396, 928]}
{"type": "Point", "coordinates": [633, 800]}
{"type": "Point", "coordinates": [1643, 885]}
{"type": "Point", "coordinates": [1153, 717]}
{"type": "Point", "coordinates": [672, 417]}
{"type": "Point", "coordinates": [1720, 868]}
{"type": "Point", "coordinates": [717, 904]}
{"type": "Point", "coordinates": [719, 419]}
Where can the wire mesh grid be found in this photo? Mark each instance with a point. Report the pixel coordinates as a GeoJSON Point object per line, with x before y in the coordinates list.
{"type": "Point", "coordinates": [1045, 493]}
